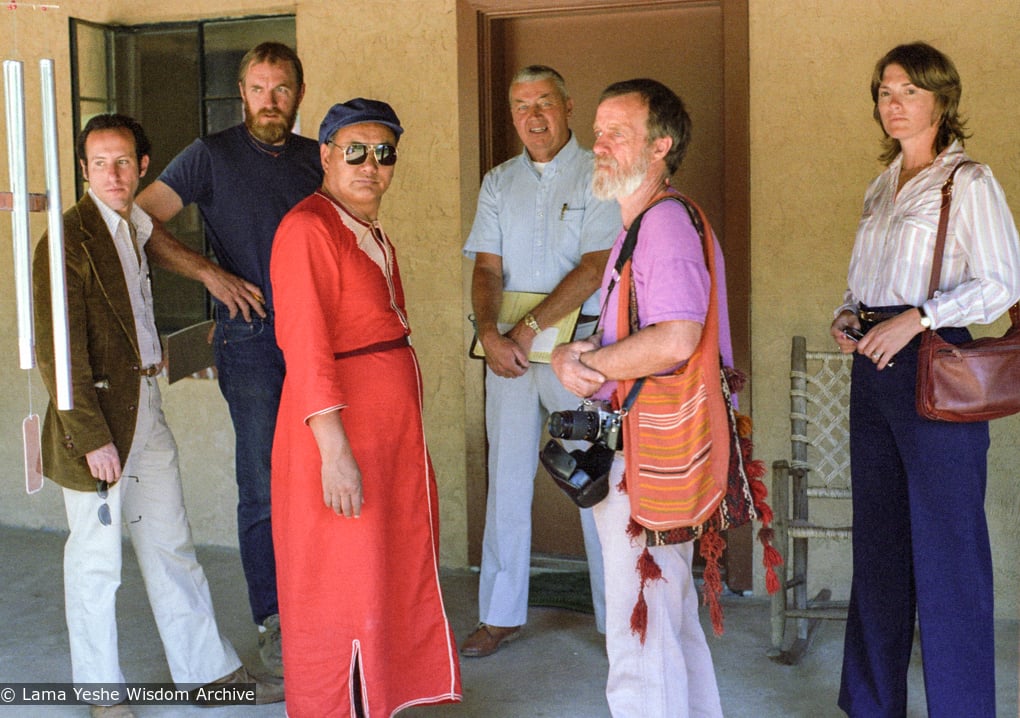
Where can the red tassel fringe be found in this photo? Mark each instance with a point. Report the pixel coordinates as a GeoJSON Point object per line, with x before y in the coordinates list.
{"type": "Point", "coordinates": [760, 492]}
{"type": "Point", "coordinates": [639, 617]}
{"type": "Point", "coordinates": [771, 559]}
{"type": "Point", "coordinates": [755, 468]}
{"type": "Point", "coordinates": [712, 547]}
{"type": "Point", "coordinates": [743, 426]}
{"type": "Point", "coordinates": [648, 570]}
{"type": "Point", "coordinates": [736, 379]}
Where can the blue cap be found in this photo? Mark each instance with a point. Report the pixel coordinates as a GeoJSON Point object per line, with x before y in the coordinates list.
{"type": "Point", "coordinates": [355, 112]}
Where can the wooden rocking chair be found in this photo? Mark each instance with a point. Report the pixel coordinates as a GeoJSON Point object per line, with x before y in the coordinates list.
{"type": "Point", "coordinates": [816, 476]}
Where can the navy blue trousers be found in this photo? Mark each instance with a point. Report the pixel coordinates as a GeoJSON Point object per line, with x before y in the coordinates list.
{"type": "Point", "coordinates": [920, 547]}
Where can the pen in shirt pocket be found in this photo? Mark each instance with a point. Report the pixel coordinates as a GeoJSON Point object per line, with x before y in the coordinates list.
{"type": "Point", "coordinates": [565, 209]}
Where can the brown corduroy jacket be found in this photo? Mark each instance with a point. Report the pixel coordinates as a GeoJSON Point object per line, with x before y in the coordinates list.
{"type": "Point", "coordinates": [105, 359]}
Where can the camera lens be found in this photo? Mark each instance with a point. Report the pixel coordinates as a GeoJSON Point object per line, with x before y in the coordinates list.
{"type": "Point", "coordinates": [574, 425]}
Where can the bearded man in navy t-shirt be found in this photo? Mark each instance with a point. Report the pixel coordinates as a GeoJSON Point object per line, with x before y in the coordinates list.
{"type": "Point", "coordinates": [244, 179]}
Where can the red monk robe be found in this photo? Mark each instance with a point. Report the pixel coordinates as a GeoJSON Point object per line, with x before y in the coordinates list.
{"type": "Point", "coordinates": [353, 589]}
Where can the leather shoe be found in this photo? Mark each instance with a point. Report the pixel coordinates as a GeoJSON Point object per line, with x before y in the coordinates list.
{"type": "Point", "coordinates": [266, 691]}
{"type": "Point", "coordinates": [487, 639]}
{"type": "Point", "coordinates": [120, 710]}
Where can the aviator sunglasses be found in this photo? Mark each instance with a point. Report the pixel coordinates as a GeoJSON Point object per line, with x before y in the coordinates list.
{"type": "Point", "coordinates": [103, 489]}
{"type": "Point", "coordinates": [357, 152]}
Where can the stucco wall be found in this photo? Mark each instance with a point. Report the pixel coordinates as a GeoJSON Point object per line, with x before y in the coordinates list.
{"type": "Point", "coordinates": [813, 150]}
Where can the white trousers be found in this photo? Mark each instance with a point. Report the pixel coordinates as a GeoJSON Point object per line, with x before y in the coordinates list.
{"type": "Point", "coordinates": [148, 499]}
{"type": "Point", "coordinates": [515, 415]}
{"type": "Point", "coordinates": [671, 674]}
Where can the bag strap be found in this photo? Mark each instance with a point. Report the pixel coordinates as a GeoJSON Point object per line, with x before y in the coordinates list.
{"type": "Point", "coordinates": [940, 237]}
{"type": "Point", "coordinates": [622, 263]}
{"type": "Point", "coordinates": [940, 243]}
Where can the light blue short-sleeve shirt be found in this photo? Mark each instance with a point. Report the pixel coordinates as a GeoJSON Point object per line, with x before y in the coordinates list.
{"type": "Point", "coordinates": [541, 223]}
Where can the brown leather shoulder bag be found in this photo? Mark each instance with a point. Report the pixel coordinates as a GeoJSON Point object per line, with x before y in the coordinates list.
{"type": "Point", "coordinates": [978, 380]}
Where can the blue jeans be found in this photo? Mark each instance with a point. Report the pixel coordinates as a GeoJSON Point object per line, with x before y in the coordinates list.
{"type": "Point", "coordinates": [251, 369]}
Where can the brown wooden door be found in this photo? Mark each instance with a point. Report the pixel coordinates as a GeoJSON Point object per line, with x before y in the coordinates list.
{"type": "Point", "coordinates": [699, 49]}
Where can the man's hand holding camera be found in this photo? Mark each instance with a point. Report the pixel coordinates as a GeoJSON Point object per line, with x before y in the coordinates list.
{"type": "Point", "coordinates": [582, 474]}
{"type": "Point", "coordinates": [579, 378]}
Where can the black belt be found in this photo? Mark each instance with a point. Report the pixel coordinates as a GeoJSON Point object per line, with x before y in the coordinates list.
{"type": "Point", "coordinates": [373, 348]}
{"type": "Point", "coordinates": [880, 314]}
{"type": "Point", "coordinates": [587, 318]}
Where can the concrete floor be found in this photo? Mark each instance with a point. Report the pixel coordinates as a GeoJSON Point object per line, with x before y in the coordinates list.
{"type": "Point", "coordinates": [556, 669]}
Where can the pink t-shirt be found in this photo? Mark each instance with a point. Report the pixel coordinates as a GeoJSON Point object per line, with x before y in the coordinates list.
{"type": "Point", "coordinates": [670, 278]}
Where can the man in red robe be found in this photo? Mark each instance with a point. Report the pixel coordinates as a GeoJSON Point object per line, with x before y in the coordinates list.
{"type": "Point", "coordinates": [355, 508]}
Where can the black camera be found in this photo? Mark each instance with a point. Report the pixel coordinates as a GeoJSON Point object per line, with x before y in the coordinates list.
{"type": "Point", "coordinates": [583, 475]}
{"type": "Point", "coordinates": [588, 424]}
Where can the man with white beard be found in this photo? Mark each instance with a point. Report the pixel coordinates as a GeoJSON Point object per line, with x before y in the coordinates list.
{"type": "Point", "coordinates": [641, 135]}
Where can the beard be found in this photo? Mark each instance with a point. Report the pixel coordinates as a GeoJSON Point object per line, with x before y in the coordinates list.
{"type": "Point", "coordinates": [611, 181]}
{"type": "Point", "coordinates": [270, 128]}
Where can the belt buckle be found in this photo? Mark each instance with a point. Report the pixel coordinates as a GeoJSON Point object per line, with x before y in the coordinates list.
{"type": "Point", "coordinates": [874, 317]}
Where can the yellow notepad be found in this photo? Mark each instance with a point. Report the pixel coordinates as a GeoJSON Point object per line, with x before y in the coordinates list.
{"type": "Point", "coordinates": [516, 305]}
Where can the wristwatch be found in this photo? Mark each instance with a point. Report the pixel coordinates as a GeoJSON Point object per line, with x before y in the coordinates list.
{"type": "Point", "coordinates": [925, 319]}
{"type": "Point", "coordinates": [532, 323]}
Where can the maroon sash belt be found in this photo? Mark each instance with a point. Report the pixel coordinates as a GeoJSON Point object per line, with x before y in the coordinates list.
{"type": "Point", "coordinates": [374, 348]}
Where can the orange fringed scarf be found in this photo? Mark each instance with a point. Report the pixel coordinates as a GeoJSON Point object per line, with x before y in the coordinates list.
{"type": "Point", "coordinates": [741, 504]}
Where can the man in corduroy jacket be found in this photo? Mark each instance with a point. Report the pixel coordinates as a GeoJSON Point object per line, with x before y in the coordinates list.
{"type": "Point", "coordinates": [113, 453]}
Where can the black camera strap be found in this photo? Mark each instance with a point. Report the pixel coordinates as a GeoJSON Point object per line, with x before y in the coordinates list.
{"type": "Point", "coordinates": [629, 242]}
{"type": "Point", "coordinates": [632, 396]}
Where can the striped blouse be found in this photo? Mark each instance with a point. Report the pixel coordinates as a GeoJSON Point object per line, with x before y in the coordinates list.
{"type": "Point", "coordinates": [892, 255]}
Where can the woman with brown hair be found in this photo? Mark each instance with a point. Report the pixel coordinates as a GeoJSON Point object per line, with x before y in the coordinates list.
{"type": "Point", "coordinates": [920, 538]}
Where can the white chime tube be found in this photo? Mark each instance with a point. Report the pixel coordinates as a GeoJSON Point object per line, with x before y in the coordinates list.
{"type": "Point", "coordinates": [58, 279]}
{"type": "Point", "coordinates": [14, 95]}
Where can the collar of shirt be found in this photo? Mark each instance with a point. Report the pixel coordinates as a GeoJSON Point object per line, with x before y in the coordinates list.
{"type": "Point", "coordinates": [948, 158]}
{"type": "Point", "coordinates": [141, 221]}
{"type": "Point", "coordinates": [566, 153]}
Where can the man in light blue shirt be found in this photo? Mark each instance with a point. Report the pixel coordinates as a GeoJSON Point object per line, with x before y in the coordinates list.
{"type": "Point", "coordinates": [538, 228]}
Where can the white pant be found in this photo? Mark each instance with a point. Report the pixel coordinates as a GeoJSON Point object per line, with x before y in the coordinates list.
{"type": "Point", "coordinates": [149, 500]}
{"type": "Point", "coordinates": [515, 413]}
{"type": "Point", "coordinates": [671, 674]}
